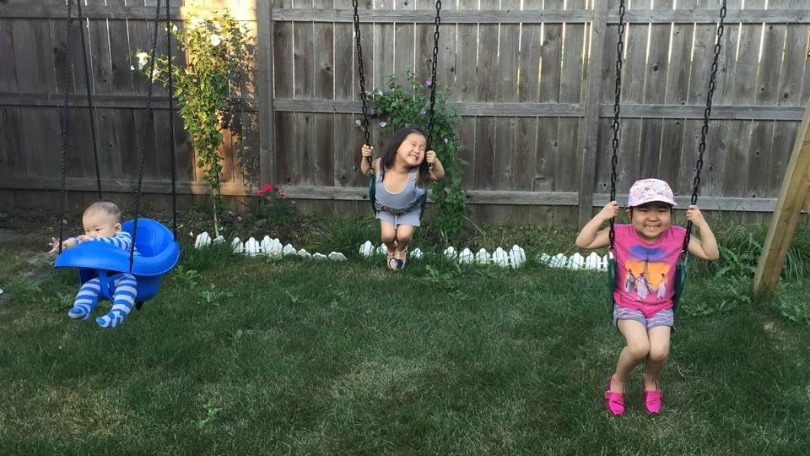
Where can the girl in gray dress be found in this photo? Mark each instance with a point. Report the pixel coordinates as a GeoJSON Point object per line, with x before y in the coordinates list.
{"type": "Point", "coordinates": [399, 172]}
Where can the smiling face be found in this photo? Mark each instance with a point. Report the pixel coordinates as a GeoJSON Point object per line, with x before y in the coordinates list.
{"type": "Point", "coordinates": [651, 220]}
{"type": "Point", "coordinates": [412, 150]}
{"type": "Point", "coordinates": [99, 223]}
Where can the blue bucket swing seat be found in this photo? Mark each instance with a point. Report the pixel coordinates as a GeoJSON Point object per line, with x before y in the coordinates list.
{"type": "Point", "coordinates": [157, 250]}
{"type": "Point", "coordinates": [158, 253]}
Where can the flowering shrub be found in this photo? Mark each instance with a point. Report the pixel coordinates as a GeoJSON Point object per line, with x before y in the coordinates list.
{"type": "Point", "coordinates": [217, 51]}
{"type": "Point", "coordinates": [398, 107]}
{"type": "Point", "coordinates": [270, 203]}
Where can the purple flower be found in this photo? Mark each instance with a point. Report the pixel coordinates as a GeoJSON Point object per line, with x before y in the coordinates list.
{"type": "Point", "coordinates": [372, 111]}
{"type": "Point", "coordinates": [428, 82]}
{"type": "Point", "coordinates": [383, 124]}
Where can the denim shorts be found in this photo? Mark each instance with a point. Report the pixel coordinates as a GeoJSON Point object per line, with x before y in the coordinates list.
{"type": "Point", "coordinates": [664, 317]}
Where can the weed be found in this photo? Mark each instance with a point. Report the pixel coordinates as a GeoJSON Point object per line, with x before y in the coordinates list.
{"type": "Point", "coordinates": [211, 412]}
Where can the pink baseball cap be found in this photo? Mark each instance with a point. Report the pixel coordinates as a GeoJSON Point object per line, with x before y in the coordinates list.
{"type": "Point", "coordinates": [648, 190]}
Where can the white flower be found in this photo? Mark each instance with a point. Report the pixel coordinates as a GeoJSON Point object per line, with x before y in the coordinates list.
{"type": "Point", "coordinates": [174, 28]}
{"type": "Point", "coordinates": [143, 59]}
{"type": "Point", "coordinates": [195, 22]}
{"type": "Point", "coordinates": [215, 40]}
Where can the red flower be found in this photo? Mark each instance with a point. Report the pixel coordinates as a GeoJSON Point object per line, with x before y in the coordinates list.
{"type": "Point", "coordinates": [282, 193]}
{"type": "Point", "coordinates": [267, 187]}
{"type": "Point", "coordinates": [260, 192]}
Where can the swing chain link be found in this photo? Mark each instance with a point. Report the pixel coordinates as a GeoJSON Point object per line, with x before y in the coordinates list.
{"type": "Point", "coordinates": [149, 119]}
{"type": "Point", "coordinates": [90, 109]}
{"type": "Point", "coordinates": [434, 62]}
{"type": "Point", "coordinates": [173, 147]}
{"type": "Point", "coordinates": [364, 122]}
{"type": "Point", "coordinates": [704, 131]}
{"type": "Point", "coordinates": [614, 159]}
{"type": "Point", "coordinates": [63, 122]}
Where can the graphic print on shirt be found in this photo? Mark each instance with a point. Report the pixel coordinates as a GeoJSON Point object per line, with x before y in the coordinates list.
{"type": "Point", "coordinates": [646, 272]}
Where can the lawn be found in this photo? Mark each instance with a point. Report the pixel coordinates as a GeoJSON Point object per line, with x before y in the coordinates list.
{"type": "Point", "coordinates": [242, 355]}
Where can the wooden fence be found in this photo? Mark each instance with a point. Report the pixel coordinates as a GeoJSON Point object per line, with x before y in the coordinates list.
{"type": "Point", "coordinates": [532, 79]}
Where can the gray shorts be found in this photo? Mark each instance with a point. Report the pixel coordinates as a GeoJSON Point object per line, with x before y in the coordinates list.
{"type": "Point", "coordinates": [408, 218]}
{"type": "Point", "coordinates": [664, 317]}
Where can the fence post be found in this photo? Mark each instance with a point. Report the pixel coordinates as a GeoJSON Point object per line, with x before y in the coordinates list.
{"type": "Point", "coordinates": [590, 130]}
{"type": "Point", "coordinates": [794, 193]}
{"type": "Point", "coordinates": [264, 85]}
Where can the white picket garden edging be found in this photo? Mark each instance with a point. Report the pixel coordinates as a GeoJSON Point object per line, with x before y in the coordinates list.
{"type": "Point", "coordinates": [514, 258]}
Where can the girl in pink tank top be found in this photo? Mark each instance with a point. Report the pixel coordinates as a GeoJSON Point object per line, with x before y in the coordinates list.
{"type": "Point", "coordinates": [647, 251]}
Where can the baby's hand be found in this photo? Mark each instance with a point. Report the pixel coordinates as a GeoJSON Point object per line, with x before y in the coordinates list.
{"type": "Point", "coordinates": [610, 211]}
{"type": "Point", "coordinates": [54, 244]}
{"type": "Point", "coordinates": [694, 215]}
{"type": "Point", "coordinates": [430, 157]}
{"type": "Point", "coordinates": [367, 150]}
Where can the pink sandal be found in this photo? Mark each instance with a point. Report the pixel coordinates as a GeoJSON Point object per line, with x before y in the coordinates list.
{"type": "Point", "coordinates": [652, 399]}
{"type": "Point", "coordinates": [614, 401]}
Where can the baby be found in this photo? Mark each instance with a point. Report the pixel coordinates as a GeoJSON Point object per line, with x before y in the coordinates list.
{"type": "Point", "coordinates": [102, 223]}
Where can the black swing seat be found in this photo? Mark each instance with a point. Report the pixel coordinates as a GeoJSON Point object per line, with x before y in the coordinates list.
{"type": "Point", "coordinates": [157, 254]}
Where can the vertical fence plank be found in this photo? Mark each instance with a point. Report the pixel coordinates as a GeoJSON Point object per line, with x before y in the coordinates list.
{"type": "Point", "coordinates": [655, 85]}
{"type": "Point", "coordinates": [599, 70]}
{"type": "Point", "coordinates": [12, 142]}
{"type": "Point", "coordinates": [634, 77]}
{"type": "Point", "coordinates": [767, 94]}
{"type": "Point", "coordinates": [265, 82]}
{"type": "Point", "coordinates": [8, 75]}
{"type": "Point", "coordinates": [465, 89]}
{"type": "Point", "coordinates": [743, 93]}
{"type": "Point", "coordinates": [528, 87]}
{"type": "Point", "coordinates": [676, 93]}
{"type": "Point", "coordinates": [284, 88]}
{"type": "Point", "coordinates": [789, 94]}
{"type": "Point", "coordinates": [570, 133]}
{"type": "Point", "coordinates": [346, 136]}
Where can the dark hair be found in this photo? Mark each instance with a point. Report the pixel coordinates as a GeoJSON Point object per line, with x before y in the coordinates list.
{"type": "Point", "coordinates": [108, 207]}
{"type": "Point", "coordinates": [390, 151]}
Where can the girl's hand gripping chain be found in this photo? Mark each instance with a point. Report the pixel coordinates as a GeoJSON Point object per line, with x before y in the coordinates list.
{"type": "Point", "coordinates": [365, 163]}
{"type": "Point", "coordinates": [706, 246]}
{"type": "Point", "coordinates": [430, 157]}
{"type": "Point", "coordinates": [590, 237]}
{"type": "Point", "coordinates": [608, 212]}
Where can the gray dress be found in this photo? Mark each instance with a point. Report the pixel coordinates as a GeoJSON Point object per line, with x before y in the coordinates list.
{"type": "Point", "coordinates": [402, 208]}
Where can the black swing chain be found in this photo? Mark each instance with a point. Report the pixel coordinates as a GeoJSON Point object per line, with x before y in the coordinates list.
{"type": "Point", "coordinates": [148, 120]}
{"type": "Point", "coordinates": [434, 62]}
{"type": "Point", "coordinates": [90, 109]}
{"type": "Point", "coordinates": [614, 159]}
{"type": "Point", "coordinates": [64, 127]}
{"type": "Point", "coordinates": [171, 115]}
{"type": "Point", "coordinates": [364, 122]}
{"type": "Point", "coordinates": [704, 131]}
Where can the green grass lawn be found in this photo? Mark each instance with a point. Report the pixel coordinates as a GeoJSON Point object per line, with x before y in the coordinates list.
{"type": "Point", "coordinates": [245, 356]}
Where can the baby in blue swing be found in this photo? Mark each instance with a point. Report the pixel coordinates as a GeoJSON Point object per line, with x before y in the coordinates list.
{"type": "Point", "coordinates": [102, 223]}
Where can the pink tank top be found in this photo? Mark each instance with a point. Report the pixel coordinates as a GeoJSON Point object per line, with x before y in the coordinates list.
{"type": "Point", "coordinates": [645, 273]}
